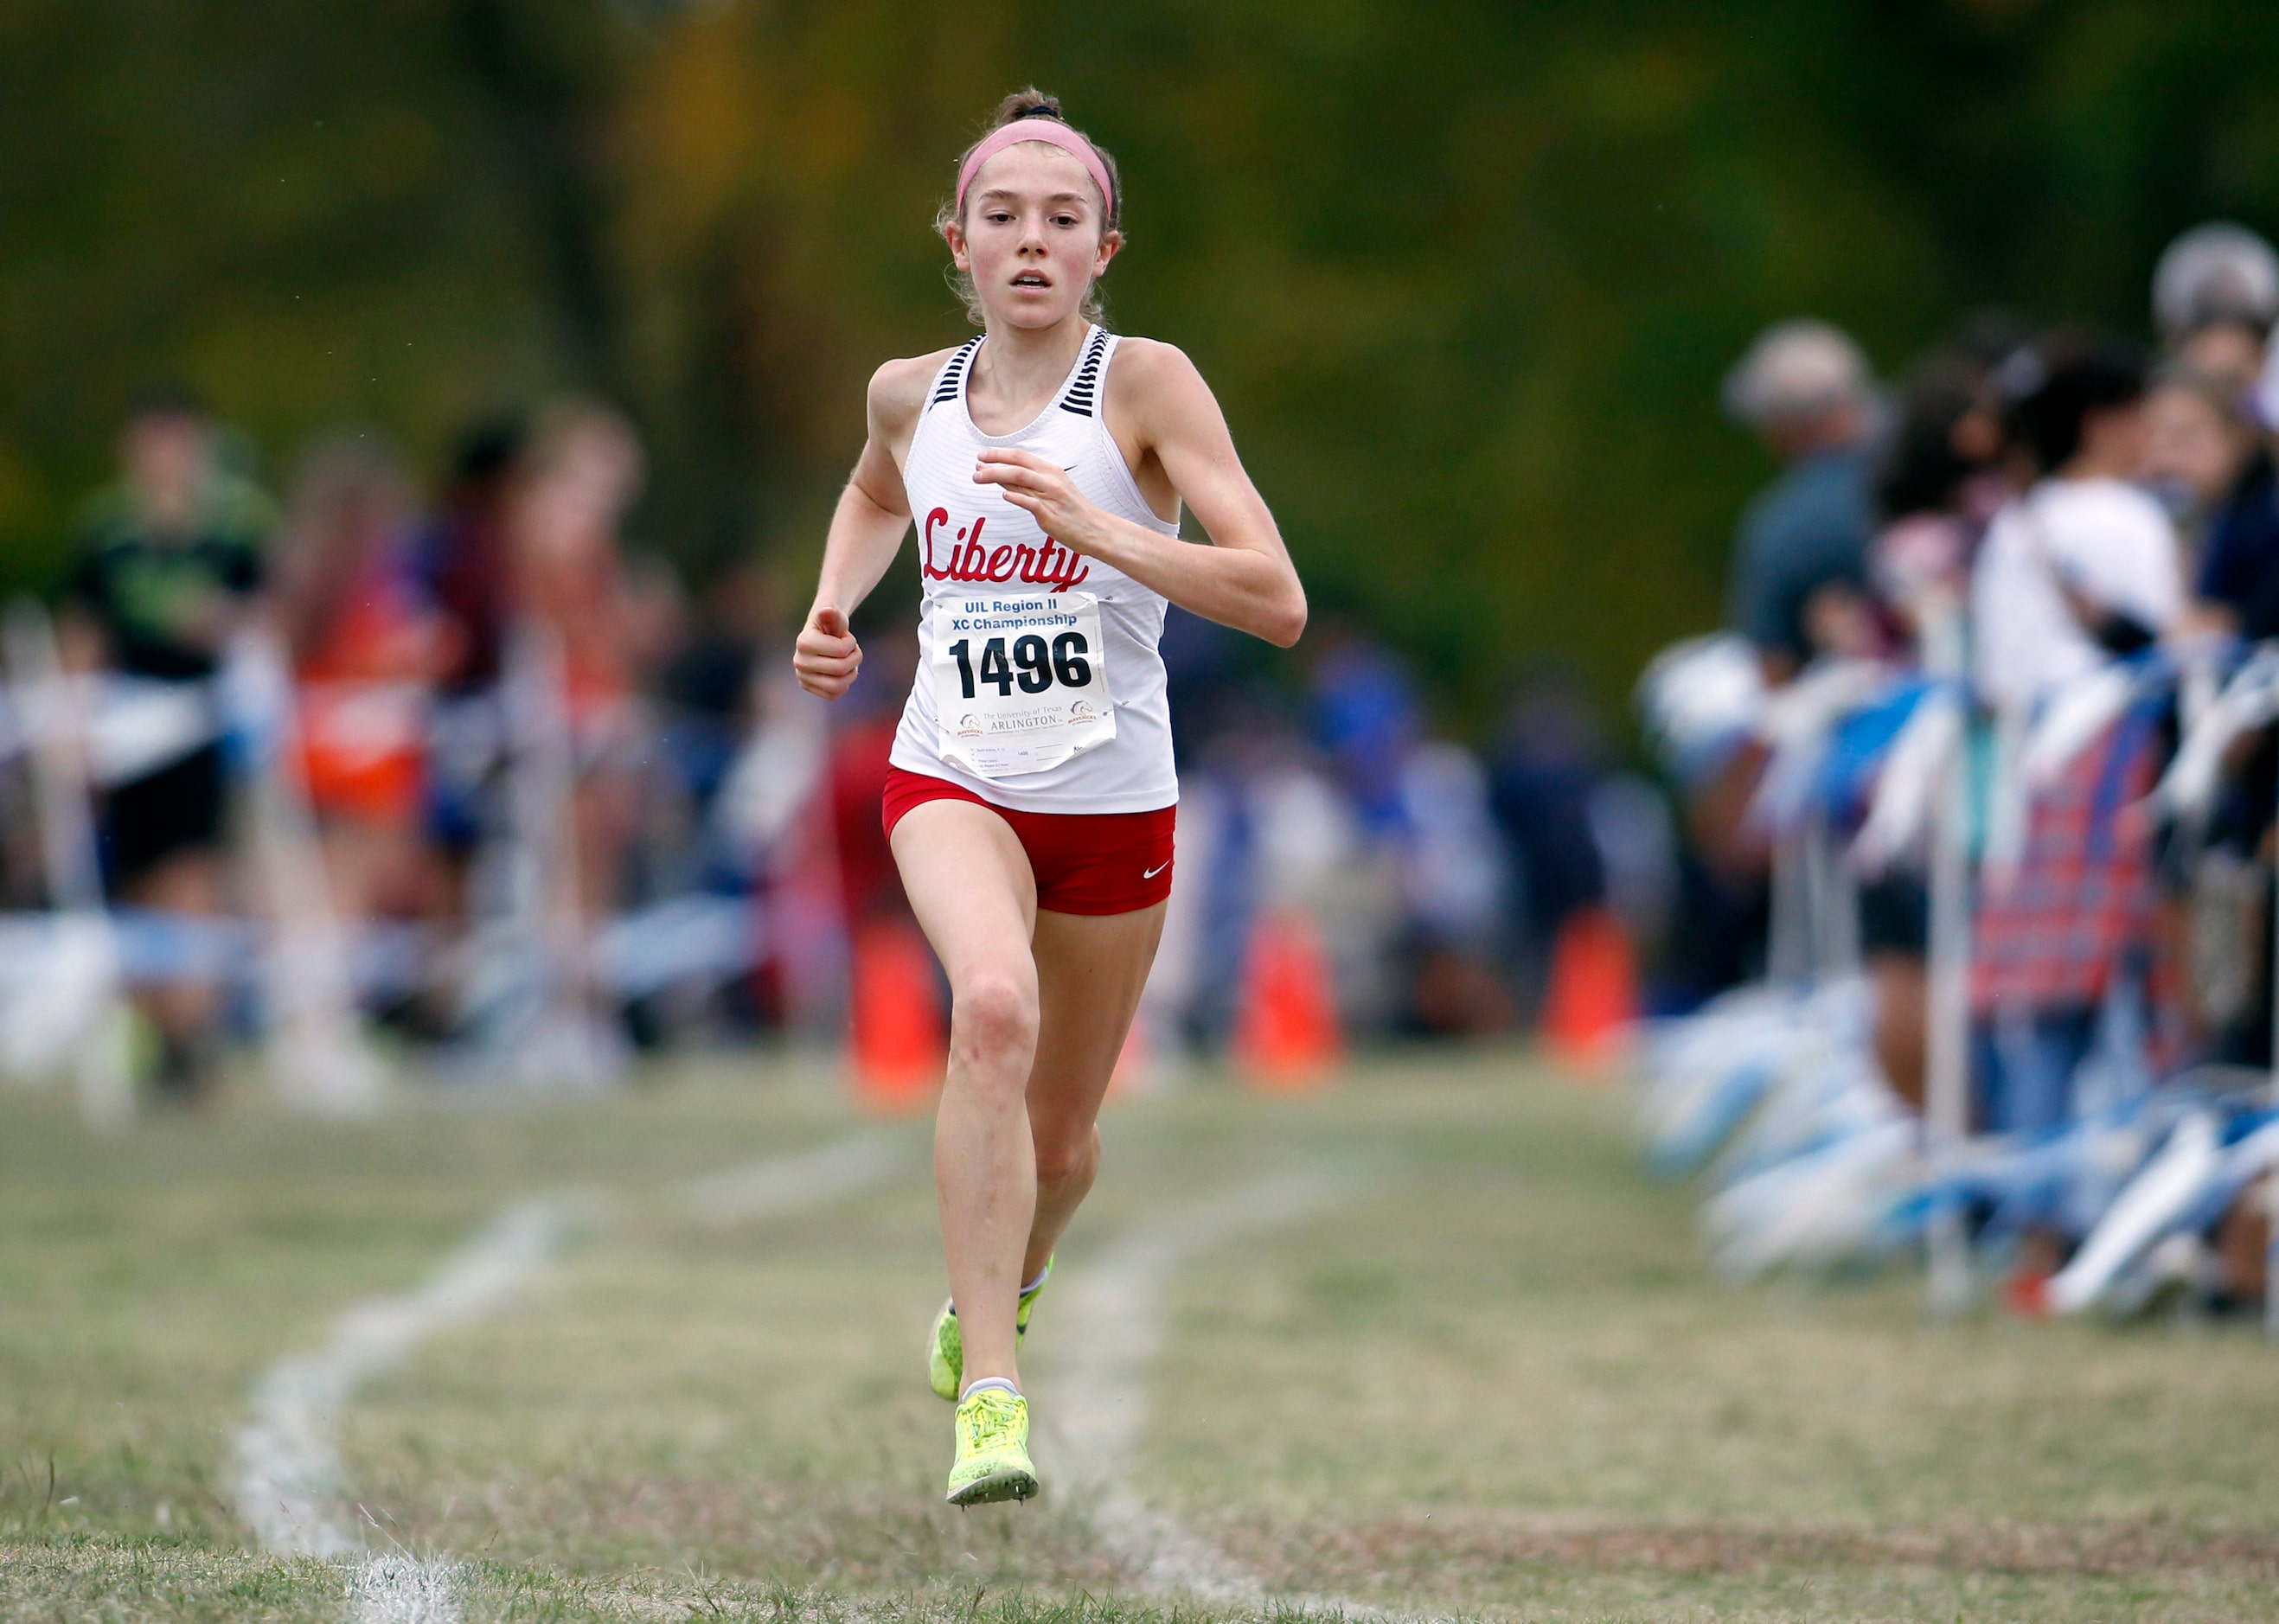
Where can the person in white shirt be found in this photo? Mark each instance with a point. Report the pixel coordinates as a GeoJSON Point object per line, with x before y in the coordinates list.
{"type": "Point", "coordinates": [2081, 565]}
{"type": "Point", "coordinates": [2079, 569]}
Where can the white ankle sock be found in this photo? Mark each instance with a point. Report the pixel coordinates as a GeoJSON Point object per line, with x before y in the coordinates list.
{"type": "Point", "coordinates": [979, 1383]}
{"type": "Point", "coordinates": [1043, 1275]}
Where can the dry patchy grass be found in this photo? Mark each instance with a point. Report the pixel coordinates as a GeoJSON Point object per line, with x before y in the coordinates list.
{"type": "Point", "coordinates": [1491, 1380]}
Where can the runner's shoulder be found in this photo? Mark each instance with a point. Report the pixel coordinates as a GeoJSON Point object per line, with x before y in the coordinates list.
{"type": "Point", "coordinates": [898, 390]}
{"type": "Point", "coordinates": [1150, 374]}
{"type": "Point", "coordinates": [1152, 361]}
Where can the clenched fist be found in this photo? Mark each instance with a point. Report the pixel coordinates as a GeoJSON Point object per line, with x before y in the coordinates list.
{"type": "Point", "coordinates": [826, 655]}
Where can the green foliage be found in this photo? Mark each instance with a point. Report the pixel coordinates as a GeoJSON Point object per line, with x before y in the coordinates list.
{"type": "Point", "coordinates": [1464, 274]}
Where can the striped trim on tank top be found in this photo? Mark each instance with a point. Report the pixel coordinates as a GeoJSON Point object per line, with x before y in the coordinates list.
{"type": "Point", "coordinates": [1082, 393]}
{"type": "Point", "coordinates": [952, 373]}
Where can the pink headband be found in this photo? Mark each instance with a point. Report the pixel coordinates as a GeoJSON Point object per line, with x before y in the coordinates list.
{"type": "Point", "coordinates": [1050, 130]}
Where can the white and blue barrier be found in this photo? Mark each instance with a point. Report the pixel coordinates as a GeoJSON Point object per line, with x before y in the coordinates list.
{"type": "Point", "coordinates": [1771, 1095]}
{"type": "Point", "coordinates": [527, 971]}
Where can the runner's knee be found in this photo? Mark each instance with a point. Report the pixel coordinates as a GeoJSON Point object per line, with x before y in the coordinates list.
{"type": "Point", "coordinates": [995, 1014]}
{"type": "Point", "coordinates": [1061, 1156]}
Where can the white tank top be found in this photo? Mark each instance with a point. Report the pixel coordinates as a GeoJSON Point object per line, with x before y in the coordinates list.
{"type": "Point", "coordinates": [970, 539]}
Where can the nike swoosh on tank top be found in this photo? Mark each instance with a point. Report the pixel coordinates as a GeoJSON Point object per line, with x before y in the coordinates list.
{"type": "Point", "coordinates": [970, 539]}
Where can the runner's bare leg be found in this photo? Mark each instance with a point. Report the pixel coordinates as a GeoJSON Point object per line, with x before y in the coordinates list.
{"type": "Point", "coordinates": [1032, 1050]}
{"type": "Point", "coordinates": [1091, 969]}
{"type": "Point", "coordinates": [969, 881]}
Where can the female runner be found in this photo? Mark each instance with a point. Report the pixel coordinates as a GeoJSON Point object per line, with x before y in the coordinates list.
{"type": "Point", "coordinates": [1032, 794]}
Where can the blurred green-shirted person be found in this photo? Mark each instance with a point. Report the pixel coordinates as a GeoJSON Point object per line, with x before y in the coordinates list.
{"type": "Point", "coordinates": [169, 562]}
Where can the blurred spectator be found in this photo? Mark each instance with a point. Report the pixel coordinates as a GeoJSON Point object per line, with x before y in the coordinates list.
{"type": "Point", "coordinates": [1934, 493]}
{"type": "Point", "coordinates": [2079, 568]}
{"type": "Point", "coordinates": [1799, 579]}
{"type": "Point", "coordinates": [1547, 762]}
{"type": "Point", "coordinates": [1220, 896]}
{"type": "Point", "coordinates": [2215, 296]}
{"type": "Point", "coordinates": [1306, 846]}
{"type": "Point", "coordinates": [572, 489]}
{"type": "Point", "coordinates": [2081, 565]}
{"type": "Point", "coordinates": [1409, 951]}
{"type": "Point", "coordinates": [1937, 485]}
{"type": "Point", "coordinates": [1278, 830]}
{"type": "Point", "coordinates": [1636, 841]}
{"type": "Point", "coordinates": [1456, 876]}
{"type": "Point", "coordinates": [1367, 720]}
{"type": "Point", "coordinates": [1799, 592]}
{"type": "Point", "coordinates": [2237, 592]}
{"type": "Point", "coordinates": [169, 565]}
{"type": "Point", "coordinates": [2199, 446]}
{"type": "Point", "coordinates": [463, 567]}
{"type": "Point", "coordinates": [709, 684]}
{"type": "Point", "coordinates": [2216, 293]}
{"type": "Point", "coordinates": [1203, 665]}
{"type": "Point", "coordinates": [2237, 584]}
{"type": "Point", "coordinates": [364, 639]}
{"type": "Point", "coordinates": [663, 851]}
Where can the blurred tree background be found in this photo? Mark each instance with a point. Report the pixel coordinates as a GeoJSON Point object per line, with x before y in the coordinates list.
{"type": "Point", "coordinates": [1465, 274]}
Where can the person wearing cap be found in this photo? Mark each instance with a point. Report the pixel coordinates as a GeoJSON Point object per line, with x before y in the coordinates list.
{"type": "Point", "coordinates": [1799, 578]}
{"type": "Point", "coordinates": [1799, 590]}
{"type": "Point", "coordinates": [2215, 295]}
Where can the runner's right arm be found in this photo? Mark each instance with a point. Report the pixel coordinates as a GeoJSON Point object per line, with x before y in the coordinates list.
{"type": "Point", "coordinates": [866, 529]}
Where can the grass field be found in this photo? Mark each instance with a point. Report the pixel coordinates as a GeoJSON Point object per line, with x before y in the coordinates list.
{"type": "Point", "coordinates": [1470, 1367]}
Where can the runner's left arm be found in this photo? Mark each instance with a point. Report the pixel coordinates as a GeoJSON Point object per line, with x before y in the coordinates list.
{"type": "Point", "coordinates": [1244, 578]}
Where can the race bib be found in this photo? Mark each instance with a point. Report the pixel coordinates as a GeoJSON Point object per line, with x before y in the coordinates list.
{"type": "Point", "coordinates": [1020, 680]}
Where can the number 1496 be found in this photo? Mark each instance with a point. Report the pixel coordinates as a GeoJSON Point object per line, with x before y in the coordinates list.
{"type": "Point", "coordinates": [1033, 665]}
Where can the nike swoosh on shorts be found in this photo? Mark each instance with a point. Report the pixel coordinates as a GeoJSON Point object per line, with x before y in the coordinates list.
{"type": "Point", "coordinates": [1153, 872]}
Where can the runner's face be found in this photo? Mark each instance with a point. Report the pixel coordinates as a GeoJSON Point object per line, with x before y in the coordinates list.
{"type": "Point", "coordinates": [1032, 237]}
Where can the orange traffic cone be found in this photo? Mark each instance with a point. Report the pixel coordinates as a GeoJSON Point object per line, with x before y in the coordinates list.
{"type": "Point", "coordinates": [1591, 999]}
{"type": "Point", "coordinates": [1288, 1039]}
{"type": "Point", "coordinates": [899, 1041]}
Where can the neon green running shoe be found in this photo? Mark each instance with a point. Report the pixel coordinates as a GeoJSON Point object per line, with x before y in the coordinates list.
{"type": "Point", "coordinates": [946, 1348]}
{"type": "Point", "coordinates": [993, 1449]}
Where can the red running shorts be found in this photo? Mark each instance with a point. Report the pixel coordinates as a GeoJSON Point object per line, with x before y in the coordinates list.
{"type": "Point", "coordinates": [1086, 863]}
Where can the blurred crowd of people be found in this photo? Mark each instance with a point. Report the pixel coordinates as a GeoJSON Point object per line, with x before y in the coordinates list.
{"type": "Point", "coordinates": [403, 620]}
{"type": "Point", "coordinates": [492, 691]}
{"type": "Point", "coordinates": [2030, 511]}
{"type": "Point", "coordinates": [1441, 878]}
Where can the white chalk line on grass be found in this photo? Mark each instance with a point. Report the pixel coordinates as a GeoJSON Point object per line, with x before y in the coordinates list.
{"type": "Point", "coordinates": [785, 1183]}
{"type": "Point", "coordinates": [288, 1476]}
{"type": "Point", "coordinates": [1099, 1409]}
{"type": "Point", "coordinates": [394, 1589]}
{"type": "Point", "coordinates": [290, 1487]}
